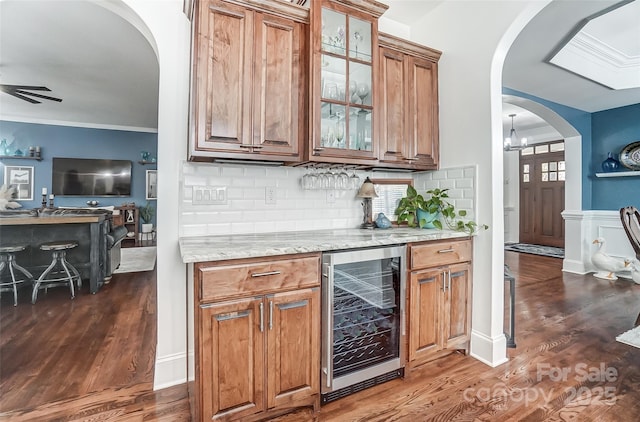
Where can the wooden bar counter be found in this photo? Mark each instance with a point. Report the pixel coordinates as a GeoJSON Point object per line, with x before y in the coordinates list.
{"type": "Point", "coordinates": [39, 226]}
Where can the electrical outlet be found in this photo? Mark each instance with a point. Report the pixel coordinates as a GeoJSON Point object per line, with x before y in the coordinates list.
{"type": "Point", "coordinates": [209, 195]}
{"type": "Point", "coordinates": [331, 196]}
{"type": "Point", "coordinates": [270, 195]}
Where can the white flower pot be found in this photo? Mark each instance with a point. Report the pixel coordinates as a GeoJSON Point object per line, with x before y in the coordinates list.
{"type": "Point", "coordinates": [147, 228]}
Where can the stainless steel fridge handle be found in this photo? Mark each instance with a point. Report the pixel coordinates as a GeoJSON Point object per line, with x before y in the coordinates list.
{"type": "Point", "coordinates": [327, 275]}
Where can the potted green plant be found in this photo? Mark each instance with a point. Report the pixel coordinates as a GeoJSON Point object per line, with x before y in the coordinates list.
{"type": "Point", "coordinates": [454, 220]}
{"type": "Point", "coordinates": [146, 214]}
{"type": "Point", "coordinates": [429, 213]}
{"type": "Point", "coordinates": [407, 209]}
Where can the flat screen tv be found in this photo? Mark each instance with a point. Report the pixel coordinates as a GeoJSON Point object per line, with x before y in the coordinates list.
{"type": "Point", "coordinates": [91, 177]}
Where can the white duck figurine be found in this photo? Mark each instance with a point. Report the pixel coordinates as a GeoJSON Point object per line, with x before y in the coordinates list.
{"type": "Point", "coordinates": [606, 263]}
{"type": "Point", "coordinates": [635, 270]}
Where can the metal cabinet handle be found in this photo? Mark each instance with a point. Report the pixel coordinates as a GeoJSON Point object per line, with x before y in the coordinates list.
{"type": "Point", "coordinates": [271, 315]}
{"type": "Point", "coordinates": [261, 317]}
{"type": "Point", "coordinates": [446, 250]}
{"type": "Point", "coordinates": [444, 281]}
{"type": "Point", "coordinates": [449, 277]}
{"type": "Point", "coordinates": [265, 274]}
{"type": "Point", "coordinates": [426, 280]}
{"type": "Point", "coordinates": [246, 146]}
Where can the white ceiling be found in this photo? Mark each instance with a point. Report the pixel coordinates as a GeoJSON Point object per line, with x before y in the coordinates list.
{"type": "Point", "coordinates": [107, 73]}
{"type": "Point", "coordinates": [104, 70]}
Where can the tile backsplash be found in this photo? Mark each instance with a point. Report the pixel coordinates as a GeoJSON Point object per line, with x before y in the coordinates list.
{"type": "Point", "coordinates": [295, 209]}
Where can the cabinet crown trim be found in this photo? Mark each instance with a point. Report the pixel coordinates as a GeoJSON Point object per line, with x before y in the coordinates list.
{"type": "Point", "coordinates": [280, 8]}
{"type": "Point", "coordinates": [408, 47]}
{"type": "Point", "coordinates": [374, 8]}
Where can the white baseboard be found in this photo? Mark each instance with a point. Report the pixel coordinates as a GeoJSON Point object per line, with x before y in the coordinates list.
{"type": "Point", "coordinates": [490, 351]}
{"type": "Point", "coordinates": [574, 266]}
{"type": "Point", "coordinates": [170, 370]}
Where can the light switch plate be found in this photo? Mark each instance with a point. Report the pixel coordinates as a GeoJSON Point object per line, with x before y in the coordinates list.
{"type": "Point", "coordinates": [209, 195]}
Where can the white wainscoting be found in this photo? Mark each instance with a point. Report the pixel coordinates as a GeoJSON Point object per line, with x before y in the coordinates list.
{"type": "Point", "coordinates": [582, 228]}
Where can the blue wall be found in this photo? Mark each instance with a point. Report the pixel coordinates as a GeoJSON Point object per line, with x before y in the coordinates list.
{"type": "Point", "coordinates": [612, 130]}
{"type": "Point", "coordinates": [75, 142]}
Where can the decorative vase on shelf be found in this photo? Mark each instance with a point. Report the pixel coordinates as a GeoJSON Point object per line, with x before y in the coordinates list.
{"type": "Point", "coordinates": [4, 147]}
{"type": "Point", "coordinates": [610, 164]}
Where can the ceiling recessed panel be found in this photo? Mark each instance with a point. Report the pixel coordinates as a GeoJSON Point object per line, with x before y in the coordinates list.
{"type": "Point", "coordinates": [608, 57]}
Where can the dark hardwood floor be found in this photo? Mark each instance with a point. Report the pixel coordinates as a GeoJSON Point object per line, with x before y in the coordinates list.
{"type": "Point", "coordinates": [92, 359]}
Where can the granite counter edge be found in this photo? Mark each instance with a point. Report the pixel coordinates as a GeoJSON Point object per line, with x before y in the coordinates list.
{"type": "Point", "coordinates": [222, 252]}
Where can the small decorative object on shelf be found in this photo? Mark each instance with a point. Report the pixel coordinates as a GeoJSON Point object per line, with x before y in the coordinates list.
{"type": "Point", "coordinates": [44, 197]}
{"type": "Point", "coordinates": [610, 164]}
{"type": "Point", "coordinates": [51, 200]}
{"type": "Point", "coordinates": [382, 222]}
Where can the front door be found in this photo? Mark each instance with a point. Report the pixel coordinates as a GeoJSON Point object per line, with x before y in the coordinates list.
{"type": "Point", "coordinates": [542, 175]}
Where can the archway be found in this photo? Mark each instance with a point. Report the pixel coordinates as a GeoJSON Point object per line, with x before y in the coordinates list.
{"type": "Point", "coordinates": [573, 158]}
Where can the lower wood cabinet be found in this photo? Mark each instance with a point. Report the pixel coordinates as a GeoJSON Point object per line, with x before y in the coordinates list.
{"type": "Point", "coordinates": [259, 355]}
{"type": "Point", "coordinates": [439, 299]}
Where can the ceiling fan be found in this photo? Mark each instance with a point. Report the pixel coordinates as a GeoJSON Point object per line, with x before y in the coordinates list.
{"type": "Point", "coordinates": [21, 91]}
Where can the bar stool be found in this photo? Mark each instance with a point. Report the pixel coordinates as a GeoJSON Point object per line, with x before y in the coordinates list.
{"type": "Point", "coordinates": [8, 261]}
{"type": "Point", "coordinates": [61, 277]}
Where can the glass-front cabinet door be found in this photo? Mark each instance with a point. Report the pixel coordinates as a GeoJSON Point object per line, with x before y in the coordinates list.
{"type": "Point", "coordinates": [343, 100]}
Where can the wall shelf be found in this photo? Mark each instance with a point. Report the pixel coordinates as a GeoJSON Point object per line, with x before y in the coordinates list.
{"type": "Point", "coordinates": [147, 162]}
{"type": "Point", "coordinates": [19, 157]}
{"type": "Point", "coordinates": [619, 174]}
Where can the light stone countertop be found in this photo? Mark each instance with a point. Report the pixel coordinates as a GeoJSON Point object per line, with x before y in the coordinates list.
{"type": "Point", "coordinates": [219, 248]}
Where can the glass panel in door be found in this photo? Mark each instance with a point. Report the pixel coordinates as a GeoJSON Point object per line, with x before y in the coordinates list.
{"type": "Point", "coordinates": [359, 39]}
{"type": "Point", "coordinates": [334, 32]}
{"type": "Point", "coordinates": [366, 314]}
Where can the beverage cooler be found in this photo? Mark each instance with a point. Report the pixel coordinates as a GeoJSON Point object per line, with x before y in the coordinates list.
{"type": "Point", "coordinates": [363, 321]}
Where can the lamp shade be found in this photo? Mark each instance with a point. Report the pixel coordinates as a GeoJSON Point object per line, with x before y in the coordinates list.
{"type": "Point", "coordinates": [367, 190]}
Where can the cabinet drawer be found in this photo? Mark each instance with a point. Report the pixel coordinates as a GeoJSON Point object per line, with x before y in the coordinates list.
{"type": "Point", "coordinates": [247, 278]}
{"type": "Point", "coordinates": [440, 253]}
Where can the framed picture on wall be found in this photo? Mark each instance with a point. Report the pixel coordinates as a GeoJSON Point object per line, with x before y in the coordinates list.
{"type": "Point", "coordinates": [152, 184]}
{"type": "Point", "coordinates": [22, 179]}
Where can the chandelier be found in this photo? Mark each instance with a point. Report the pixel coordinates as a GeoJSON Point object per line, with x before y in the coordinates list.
{"type": "Point", "coordinates": [511, 143]}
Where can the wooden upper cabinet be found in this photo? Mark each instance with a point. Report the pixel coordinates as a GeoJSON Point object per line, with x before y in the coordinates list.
{"type": "Point", "coordinates": [249, 88]}
{"type": "Point", "coordinates": [344, 66]}
{"type": "Point", "coordinates": [393, 105]}
{"type": "Point", "coordinates": [408, 110]}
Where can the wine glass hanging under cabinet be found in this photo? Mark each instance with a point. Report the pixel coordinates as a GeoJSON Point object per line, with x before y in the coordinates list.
{"type": "Point", "coordinates": [344, 100]}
